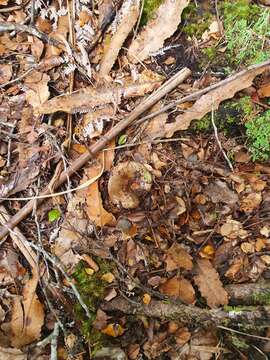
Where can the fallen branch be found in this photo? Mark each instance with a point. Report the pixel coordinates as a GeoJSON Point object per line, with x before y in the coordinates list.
{"type": "Point", "coordinates": [98, 146]}
{"type": "Point", "coordinates": [188, 314]}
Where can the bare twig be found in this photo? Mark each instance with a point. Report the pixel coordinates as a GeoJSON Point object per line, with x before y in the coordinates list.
{"type": "Point", "coordinates": [10, 26]}
{"type": "Point", "coordinates": [100, 144]}
{"type": "Point", "coordinates": [54, 339]}
{"type": "Point", "coordinates": [14, 8]}
{"type": "Point", "coordinates": [218, 140]}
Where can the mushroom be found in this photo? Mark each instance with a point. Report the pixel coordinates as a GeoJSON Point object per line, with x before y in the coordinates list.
{"type": "Point", "coordinates": [128, 182]}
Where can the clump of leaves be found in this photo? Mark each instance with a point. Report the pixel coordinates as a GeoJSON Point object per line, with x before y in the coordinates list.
{"type": "Point", "coordinates": [258, 133]}
{"type": "Point", "coordinates": [246, 29]}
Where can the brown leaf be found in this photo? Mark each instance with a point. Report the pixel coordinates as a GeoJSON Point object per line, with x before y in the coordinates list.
{"type": "Point", "coordinates": [220, 192]}
{"type": "Point", "coordinates": [27, 316]}
{"type": "Point", "coordinates": [95, 209]}
{"type": "Point", "coordinates": [209, 284]}
{"type": "Point", "coordinates": [211, 100]}
{"type": "Point", "coordinates": [264, 90]}
{"type": "Point", "coordinates": [38, 91]}
{"type": "Point", "coordinates": [164, 24]}
{"type": "Point", "coordinates": [127, 16]}
{"type": "Point", "coordinates": [179, 288]}
{"type": "Point", "coordinates": [251, 202]}
{"type": "Point", "coordinates": [12, 354]}
{"type": "Point", "coordinates": [5, 73]}
{"type": "Point", "coordinates": [86, 99]}
{"type": "Point", "coordinates": [177, 257]}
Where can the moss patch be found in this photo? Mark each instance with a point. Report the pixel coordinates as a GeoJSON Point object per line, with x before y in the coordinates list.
{"type": "Point", "coordinates": [230, 115]}
{"type": "Point", "coordinates": [149, 8]}
{"type": "Point", "coordinates": [196, 20]}
{"type": "Point", "coordinates": [91, 289]}
{"type": "Point", "coordinates": [246, 28]}
{"type": "Point", "coordinates": [258, 134]}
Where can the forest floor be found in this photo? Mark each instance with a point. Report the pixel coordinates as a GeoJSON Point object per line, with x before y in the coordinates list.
{"type": "Point", "coordinates": [134, 179]}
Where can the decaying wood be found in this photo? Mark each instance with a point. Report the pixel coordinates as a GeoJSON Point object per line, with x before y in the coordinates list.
{"type": "Point", "coordinates": [249, 294]}
{"type": "Point", "coordinates": [98, 146]}
{"type": "Point", "coordinates": [188, 314]}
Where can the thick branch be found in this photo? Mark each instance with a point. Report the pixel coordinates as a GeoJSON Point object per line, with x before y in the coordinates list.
{"type": "Point", "coordinates": [249, 294]}
{"type": "Point", "coordinates": [188, 314]}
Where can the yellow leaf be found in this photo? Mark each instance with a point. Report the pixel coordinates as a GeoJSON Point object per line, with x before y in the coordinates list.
{"type": "Point", "coordinates": [108, 277]}
{"type": "Point", "coordinates": [113, 330]}
{"type": "Point", "coordinates": [89, 271]}
{"type": "Point", "coordinates": [146, 299]}
{"type": "Point", "coordinates": [207, 252]}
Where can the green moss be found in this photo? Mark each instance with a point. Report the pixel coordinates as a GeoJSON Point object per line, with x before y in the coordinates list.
{"type": "Point", "coordinates": [195, 24]}
{"type": "Point", "coordinates": [239, 343]}
{"type": "Point", "coordinates": [236, 309]}
{"type": "Point", "coordinates": [230, 115]}
{"type": "Point", "coordinates": [262, 298]}
{"type": "Point", "coordinates": [149, 8]}
{"type": "Point", "coordinates": [246, 28]}
{"type": "Point", "coordinates": [91, 289]}
{"type": "Point", "coordinates": [258, 134]}
{"type": "Point", "coordinates": [210, 53]}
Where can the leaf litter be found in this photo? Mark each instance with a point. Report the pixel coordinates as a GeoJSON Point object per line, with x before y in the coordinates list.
{"type": "Point", "coordinates": [161, 220]}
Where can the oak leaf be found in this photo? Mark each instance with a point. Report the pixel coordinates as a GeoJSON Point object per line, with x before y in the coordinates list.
{"type": "Point", "coordinates": [164, 24]}
{"type": "Point", "coordinates": [177, 257]}
{"type": "Point", "coordinates": [209, 284]}
{"type": "Point", "coordinates": [27, 316]}
{"type": "Point", "coordinates": [179, 288]}
{"type": "Point", "coordinates": [212, 99]}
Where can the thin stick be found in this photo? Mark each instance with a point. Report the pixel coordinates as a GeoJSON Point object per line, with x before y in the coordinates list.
{"type": "Point", "coordinates": [54, 339]}
{"type": "Point", "coordinates": [99, 145]}
{"type": "Point", "coordinates": [9, 26]}
{"type": "Point", "coordinates": [218, 140]}
{"type": "Point", "coordinates": [14, 8]}
{"type": "Point", "coordinates": [201, 92]}
{"type": "Point", "coordinates": [243, 333]}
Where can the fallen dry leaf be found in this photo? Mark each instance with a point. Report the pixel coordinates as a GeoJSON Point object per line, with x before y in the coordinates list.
{"type": "Point", "coordinates": [209, 284]}
{"type": "Point", "coordinates": [220, 192]}
{"type": "Point", "coordinates": [127, 181]}
{"type": "Point", "coordinates": [12, 354]}
{"type": "Point", "coordinates": [38, 92]}
{"type": "Point", "coordinates": [264, 90]}
{"type": "Point", "coordinates": [211, 101]}
{"type": "Point", "coordinates": [87, 99]}
{"type": "Point", "coordinates": [164, 24]}
{"type": "Point", "coordinates": [182, 336]}
{"type": "Point", "coordinates": [5, 73]}
{"type": "Point", "coordinates": [251, 202]}
{"type": "Point", "coordinates": [233, 229]}
{"type": "Point", "coordinates": [179, 288]}
{"type": "Point", "coordinates": [127, 18]}
{"type": "Point", "coordinates": [247, 248]}
{"type": "Point", "coordinates": [95, 209]}
{"type": "Point", "coordinates": [177, 257]}
{"type": "Point", "coordinates": [27, 316]}
{"type": "Point", "coordinates": [114, 330]}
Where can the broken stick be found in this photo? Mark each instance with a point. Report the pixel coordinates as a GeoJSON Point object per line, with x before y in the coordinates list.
{"type": "Point", "coordinates": [167, 87]}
